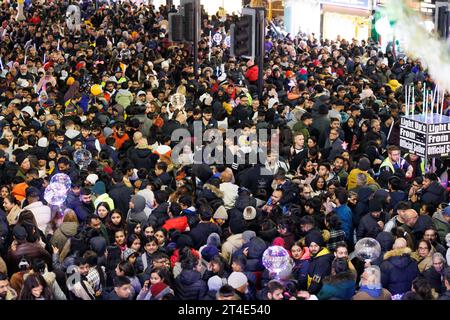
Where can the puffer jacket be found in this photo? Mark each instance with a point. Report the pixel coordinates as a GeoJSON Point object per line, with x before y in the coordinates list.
{"type": "Point", "coordinates": [64, 232]}
{"type": "Point", "coordinates": [190, 286]}
{"type": "Point", "coordinates": [213, 195]}
{"type": "Point", "coordinates": [398, 270]}
{"type": "Point", "coordinates": [42, 214]}
{"type": "Point", "coordinates": [341, 286]}
{"type": "Point", "coordinates": [233, 243]}
{"type": "Point", "coordinates": [300, 269]}
{"type": "Point", "coordinates": [256, 248]}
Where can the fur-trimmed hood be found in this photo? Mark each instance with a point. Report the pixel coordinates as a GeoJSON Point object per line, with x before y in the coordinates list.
{"type": "Point", "coordinates": [397, 253]}
{"type": "Point", "coordinates": [216, 191]}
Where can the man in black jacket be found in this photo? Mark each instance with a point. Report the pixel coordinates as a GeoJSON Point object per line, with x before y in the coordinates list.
{"type": "Point", "coordinates": [7, 169]}
{"type": "Point", "coordinates": [320, 264]}
{"type": "Point", "coordinates": [204, 228]}
{"type": "Point", "coordinates": [160, 214]}
{"type": "Point", "coordinates": [120, 193]}
{"type": "Point", "coordinates": [370, 225]}
{"type": "Point", "coordinates": [122, 289]}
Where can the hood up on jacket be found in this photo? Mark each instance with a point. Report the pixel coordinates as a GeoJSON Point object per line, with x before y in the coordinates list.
{"type": "Point", "coordinates": [139, 203]}
{"type": "Point", "coordinates": [400, 257]}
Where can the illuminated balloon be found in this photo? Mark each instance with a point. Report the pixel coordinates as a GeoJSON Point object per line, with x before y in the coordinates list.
{"type": "Point", "coordinates": [82, 157]}
{"type": "Point", "coordinates": [55, 194]}
{"type": "Point", "coordinates": [73, 17]}
{"type": "Point", "coordinates": [367, 249]}
{"type": "Point", "coordinates": [96, 89]}
{"type": "Point", "coordinates": [178, 100]}
{"type": "Point", "coordinates": [63, 179]}
{"type": "Point", "coordinates": [276, 259]}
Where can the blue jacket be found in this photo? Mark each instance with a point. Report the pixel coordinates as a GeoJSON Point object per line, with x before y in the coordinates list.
{"type": "Point", "coordinates": [190, 286]}
{"type": "Point", "coordinates": [398, 270]}
{"type": "Point", "coordinates": [341, 286]}
{"type": "Point", "coordinates": [345, 215]}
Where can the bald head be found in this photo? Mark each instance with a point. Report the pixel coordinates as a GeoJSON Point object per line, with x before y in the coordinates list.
{"type": "Point", "coordinates": [137, 137]}
{"type": "Point", "coordinates": [410, 217]}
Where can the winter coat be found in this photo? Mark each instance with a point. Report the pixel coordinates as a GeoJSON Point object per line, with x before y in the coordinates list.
{"type": "Point", "coordinates": [340, 286]}
{"type": "Point", "coordinates": [213, 195]}
{"type": "Point", "coordinates": [398, 270]}
{"type": "Point", "coordinates": [368, 227]}
{"type": "Point", "coordinates": [319, 267]}
{"type": "Point", "coordinates": [345, 215]}
{"type": "Point", "coordinates": [104, 198]}
{"type": "Point", "coordinates": [351, 180]}
{"type": "Point", "coordinates": [435, 279]}
{"type": "Point", "coordinates": [300, 269]}
{"type": "Point", "coordinates": [233, 243]}
{"type": "Point", "coordinates": [434, 194]}
{"type": "Point", "coordinates": [190, 286]}
{"type": "Point", "coordinates": [159, 215]}
{"type": "Point", "coordinates": [179, 223]}
{"type": "Point", "coordinates": [13, 215]}
{"type": "Point", "coordinates": [201, 232]}
{"type": "Point", "coordinates": [142, 158]}
{"type": "Point", "coordinates": [256, 248]}
{"type": "Point", "coordinates": [137, 213]}
{"type": "Point", "coordinates": [28, 249]}
{"type": "Point", "coordinates": [441, 225]}
{"type": "Point", "coordinates": [42, 214]}
{"type": "Point", "coordinates": [252, 74]}
{"type": "Point", "coordinates": [65, 231]}
{"type": "Point", "coordinates": [121, 195]}
{"type": "Point", "coordinates": [230, 193]}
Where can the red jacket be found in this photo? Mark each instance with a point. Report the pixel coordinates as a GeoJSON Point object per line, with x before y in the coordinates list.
{"type": "Point", "coordinates": [179, 223]}
{"type": "Point", "coordinates": [252, 73]}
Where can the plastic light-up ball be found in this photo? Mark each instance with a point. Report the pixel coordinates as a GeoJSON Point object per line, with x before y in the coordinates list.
{"type": "Point", "coordinates": [367, 249]}
{"type": "Point", "coordinates": [63, 179]}
{"type": "Point", "coordinates": [383, 26]}
{"type": "Point", "coordinates": [82, 157]}
{"type": "Point", "coordinates": [178, 100]}
{"type": "Point", "coordinates": [96, 89]}
{"type": "Point", "coordinates": [275, 259]}
{"type": "Point", "coordinates": [55, 194]}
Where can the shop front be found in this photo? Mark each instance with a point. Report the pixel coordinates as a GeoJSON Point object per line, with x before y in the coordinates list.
{"type": "Point", "coordinates": [346, 19]}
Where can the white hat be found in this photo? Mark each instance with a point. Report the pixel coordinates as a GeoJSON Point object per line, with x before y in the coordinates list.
{"type": "Point", "coordinates": [272, 102]}
{"type": "Point", "coordinates": [43, 142]}
{"type": "Point", "coordinates": [249, 213]}
{"type": "Point", "coordinates": [215, 283]}
{"type": "Point", "coordinates": [92, 178]}
{"type": "Point", "coordinates": [165, 64]}
{"type": "Point", "coordinates": [29, 110]}
{"type": "Point", "coordinates": [237, 279]}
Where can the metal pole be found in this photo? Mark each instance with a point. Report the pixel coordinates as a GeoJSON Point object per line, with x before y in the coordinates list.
{"type": "Point", "coordinates": [261, 38]}
{"type": "Point", "coordinates": [196, 31]}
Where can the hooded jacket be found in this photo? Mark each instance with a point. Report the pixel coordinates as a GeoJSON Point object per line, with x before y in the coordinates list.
{"type": "Point", "coordinates": [190, 286]}
{"type": "Point", "coordinates": [300, 269]}
{"type": "Point", "coordinates": [149, 200]}
{"type": "Point", "coordinates": [42, 214]}
{"type": "Point", "coordinates": [233, 243]}
{"type": "Point", "coordinates": [201, 232]}
{"type": "Point", "coordinates": [398, 270]}
{"type": "Point", "coordinates": [137, 213]}
{"type": "Point", "coordinates": [256, 248]}
{"type": "Point", "coordinates": [65, 231]}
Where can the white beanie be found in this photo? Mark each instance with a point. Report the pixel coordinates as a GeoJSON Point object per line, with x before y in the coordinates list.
{"type": "Point", "coordinates": [214, 283]}
{"type": "Point", "coordinates": [272, 102]}
{"type": "Point", "coordinates": [92, 178]}
{"type": "Point", "coordinates": [43, 142]}
{"type": "Point", "coordinates": [29, 110]}
{"type": "Point", "coordinates": [237, 279]}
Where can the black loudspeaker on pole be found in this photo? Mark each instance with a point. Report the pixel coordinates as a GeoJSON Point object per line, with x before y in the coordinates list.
{"type": "Point", "coordinates": [260, 41]}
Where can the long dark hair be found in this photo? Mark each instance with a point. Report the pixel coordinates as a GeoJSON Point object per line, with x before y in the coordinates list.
{"type": "Point", "coordinates": [28, 221]}
{"type": "Point", "coordinates": [33, 281]}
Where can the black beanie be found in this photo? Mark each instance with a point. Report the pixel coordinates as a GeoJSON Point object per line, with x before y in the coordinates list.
{"type": "Point", "coordinates": [375, 205]}
{"type": "Point", "coordinates": [21, 157]}
{"type": "Point", "coordinates": [184, 241]}
{"type": "Point", "coordinates": [314, 236]}
{"type": "Point", "coordinates": [237, 226]}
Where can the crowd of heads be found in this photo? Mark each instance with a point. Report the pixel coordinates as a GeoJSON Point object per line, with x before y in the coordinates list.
{"type": "Point", "coordinates": [137, 225]}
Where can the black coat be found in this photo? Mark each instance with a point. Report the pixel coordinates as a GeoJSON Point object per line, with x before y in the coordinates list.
{"type": "Point", "coordinates": [368, 227]}
{"type": "Point", "coordinates": [434, 194]}
{"type": "Point", "coordinates": [190, 286]}
{"type": "Point", "coordinates": [121, 196]}
{"type": "Point", "coordinates": [201, 232]}
{"type": "Point", "coordinates": [435, 280]}
{"type": "Point", "coordinates": [142, 158]}
{"type": "Point", "coordinates": [159, 215]}
{"type": "Point", "coordinates": [319, 267]}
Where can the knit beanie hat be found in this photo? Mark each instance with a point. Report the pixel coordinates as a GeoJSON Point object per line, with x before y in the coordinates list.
{"type": "Point", "coordinates": [221, 213]}
{"type": "Point", "coordinates": [314, 236]}
{"type": "Point", "coordinates": [214, 283]}
{"type": "Point", "coordinates": [237, 226]}
{"type": "Point", "coordinates": [213, 240]}
{"type": "Point", "coordinates": [21, 157]}
{"type": "Point", "coordinates": [237, 279]}
{"type": "Point", "coordinates": [248, 235]}
{"type": "Point", "coordinates": [19, 232]}
{"type": "Point", "coordinates": [209, 252]}
{"type": "Point", "coordinates": [128, 252]}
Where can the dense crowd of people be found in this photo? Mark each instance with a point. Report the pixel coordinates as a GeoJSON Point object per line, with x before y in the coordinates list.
{"type": "Point", "coordinates": [136, 225]}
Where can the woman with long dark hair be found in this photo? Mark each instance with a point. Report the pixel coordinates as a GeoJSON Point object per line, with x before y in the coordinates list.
{"type": "Point", "coordinates": [35, 288]}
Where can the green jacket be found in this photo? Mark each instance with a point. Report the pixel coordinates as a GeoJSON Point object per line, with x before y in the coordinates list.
{"type": "Point", "coordinates": [300, 127]}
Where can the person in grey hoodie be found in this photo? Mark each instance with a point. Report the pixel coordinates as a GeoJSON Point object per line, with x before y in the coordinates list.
{"type": "Point", "coordinates": [136, 212]}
